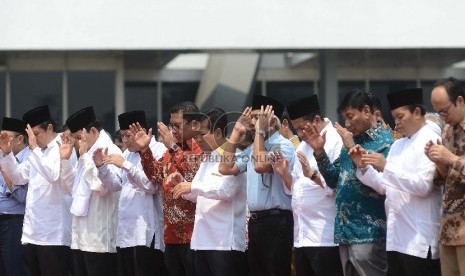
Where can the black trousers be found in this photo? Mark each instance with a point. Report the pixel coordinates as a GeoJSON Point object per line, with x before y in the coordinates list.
{"type": "Point", "coordinates": [12, 258]}
{"type": "Point", "coordinates": [400, 264]}
{"type": "Point", "coordinates": [270, 244]}
{"type": "Point", "coordinates": [140, 261]}
{"type": "Point", "coordinates": [45, 260]}
{"type": "Point", "coordinates": [220, 263]}
{"type": "Point", "coordinates": [94, 264]}
{"type": "Point", "coordinates": [179, 260]}
{"type": "Point", "coordinates": [318, 261]}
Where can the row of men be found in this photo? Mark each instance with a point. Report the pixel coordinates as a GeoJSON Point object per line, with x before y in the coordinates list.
{"type": "Point", "coordinates": [344, 198]}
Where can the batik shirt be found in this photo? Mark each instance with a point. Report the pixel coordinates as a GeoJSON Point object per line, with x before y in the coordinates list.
{"type": "Point", "coordinates": [360, 214]}
{"type": "Point", "coordinates": [452, 229]}
{"type": "Point", "coordinates": [178, 214]}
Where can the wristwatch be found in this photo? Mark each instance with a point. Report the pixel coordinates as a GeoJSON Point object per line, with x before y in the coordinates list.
{"type": "Point", "coordinates": [173, 148]}
{"type": "Point", "coordinates": [261, 132]}
{"type": "Point", "coordinates": [314, 175]}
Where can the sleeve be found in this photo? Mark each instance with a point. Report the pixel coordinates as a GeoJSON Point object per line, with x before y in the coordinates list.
{"type": "Point", "coordinates": [153, 169]}
{"type": "Point", "coordinates": [243, 158]}
{"type": "Point", "coordinates": [372, 178]}
{"type": "Point", "coordinates": [218, 187]}
{"type": "Point", "coordinates": [67, 175]}
{"type": "Point", "coordinates": [110, 175]}
{"type": "Point", "coordinates": [18, 173]}
{"type": "Point", "coordinates": [418, 183]}
{"type": "Point", "coordinates": [90, 174]}
{"type": "Point", "coordinates": [186, 164]}
{"type": "Point", "coordinates": [19, 193]}
{"type": "Point", "coordinates": [138, 178]}
{"type": "Point", "coordinates": [330, 171]}
{"type": "Point", "coordinates": [48, 166]}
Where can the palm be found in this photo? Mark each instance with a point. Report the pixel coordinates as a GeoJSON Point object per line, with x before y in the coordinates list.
{"type": "Point", "coordinates": [65, 151]}
{"type": "Point", "coordinates": [142, 139]}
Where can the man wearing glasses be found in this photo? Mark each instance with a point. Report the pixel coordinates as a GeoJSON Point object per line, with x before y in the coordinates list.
{"type": "Point", "coordinates": [448, 99]}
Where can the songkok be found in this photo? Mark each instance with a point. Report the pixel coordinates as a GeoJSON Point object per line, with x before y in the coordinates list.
{"type": "Point", "coordinates": [37, 116]}
{"type": "Point", "coordinates": [302, 107]}
{"type": "Point", "coordinates": [405, 97]}
{"type": "Point", "coordinates": [259, 100]}
{"type": "Point", "coordinates": [16, 125]}
{"type": "Point", "coordinates": [128, 118]}
{"type": "Point", "coordinates": [81, 119]}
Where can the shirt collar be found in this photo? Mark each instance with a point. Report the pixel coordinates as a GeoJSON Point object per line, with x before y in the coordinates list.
{"type": "Point", "coordinates": [371, 133]}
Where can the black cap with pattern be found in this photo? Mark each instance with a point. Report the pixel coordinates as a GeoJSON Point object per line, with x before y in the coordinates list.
{"type": "Point", "coordinates": [131, 117]}
{"type": "Point", "coordinates": [16, 125]}
{"type": "Point", "coordinates": [302, 107]}
{"type": "Point", "coordinates": [405, 97]}
{"type": "Point", "coordinates": [259, 100]}
{"type": "Point", "coordinates": [37, 116]}
{"type": "Point", "coordinates": [81, 119]}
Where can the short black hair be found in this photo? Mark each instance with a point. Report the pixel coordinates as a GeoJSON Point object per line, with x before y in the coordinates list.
{"type": "Point", "coordinates": [422, 108]}
{"type": "Point", "coordinates": [56, 126]}
{"type": "Point", "coordinates": [217, 118]}
{"type": "Point", "coordinates": [189, 110]}
{"type": "Point", "coordinates": [356, 99]}
{"type": "Point", "coordinates": [97, 124]}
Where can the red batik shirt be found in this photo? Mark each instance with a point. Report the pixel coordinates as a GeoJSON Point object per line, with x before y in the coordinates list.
{"type": "Point", "coordinates": [178, 214]}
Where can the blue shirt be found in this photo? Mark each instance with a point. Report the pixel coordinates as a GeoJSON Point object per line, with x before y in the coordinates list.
{"type": "Point", "coordinates": [13, 202]}
{"type": "Point", "coordinates": [266, 191]}
{"type": "Point", "coordinates": [360, 214]}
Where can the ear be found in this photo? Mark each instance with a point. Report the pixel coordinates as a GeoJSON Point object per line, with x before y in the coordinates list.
{"type": "Point", "coordinates": [285, 123]}
{"type": "Point", "coordinates": [195, 125]}
{"type": "Point", "coordinates": [94, 131]}
{"type": "Point", "coordinates": [218, 133]}
{"type": "Point", "coordinates": [49, 128]}
{"type": "Point", "coordinates": [366, 110]}
{"type": "Point", "coordinates": [460, 99]}
{"type": "Point", "coordinates": [317, 119]}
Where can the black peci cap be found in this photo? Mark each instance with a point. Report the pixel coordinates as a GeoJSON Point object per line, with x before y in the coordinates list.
{"type": "Point", "coordinates": [302, 107]}
{"type": "Point", "coordinates": [405, 97]}
{"type": "Point", "coordinates": [131, 117]}
{"type": "Point", "coordinates": [259, 100]}
{"type": "Point", "coordinates": [16, 125]}
{"type": "Point", "coordinates": [37, 116]}
{"type": "Point", "coordinates": [81, 119]}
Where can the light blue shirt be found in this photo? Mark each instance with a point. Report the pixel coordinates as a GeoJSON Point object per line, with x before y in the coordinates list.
{"type": "Point", "coordinates": [13, 202]}
{"type": "Point", "coordinates": [266, 191]}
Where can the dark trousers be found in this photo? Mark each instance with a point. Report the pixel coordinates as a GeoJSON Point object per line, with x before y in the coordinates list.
{"type": "Point", "coordinates": [47, 260]}
{"type": "Point", "coordinates": [12, 259]}
{"type": "Point", "coordinates": [179, 260]}
{"type": "Point", "coordinates": [140, 261]}
{"type": "Point", "coordinates": [400, 264]}
{"type": "Point", "coordinates": [220, 263]}
{"type": "Point", "coordinates": [270, 244]}
{"type": "Point", "coordinates": [318, 261]}
{"type": "Point", "coordinates": [94, 264]}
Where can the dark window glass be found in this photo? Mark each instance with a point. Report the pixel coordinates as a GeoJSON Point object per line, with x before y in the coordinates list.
{"type": "Point", "coordinates": [142, 96]}
{"type": "Point", "coordinates": [96, 88]}
{"type": "Point", "coordinates": [175, 92]}
{"type": "Point", "coordinates": [286, 91]}
{"type": "Point", "coordinates": [2, 94]}
{"type": "Point", "coordinates": [32, 89]}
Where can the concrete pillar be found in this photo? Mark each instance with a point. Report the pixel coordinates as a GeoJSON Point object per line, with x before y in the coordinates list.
{"type": "Point", "coordinates": [227, 81]}
{"type": "Point", "coordinates": [329, 94]}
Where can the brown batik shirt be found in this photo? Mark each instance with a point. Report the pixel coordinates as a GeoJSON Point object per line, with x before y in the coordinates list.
{"type": "Point", "coordinates": [178, 214]}
{"type": "Point", "coordinates": [452, 230]}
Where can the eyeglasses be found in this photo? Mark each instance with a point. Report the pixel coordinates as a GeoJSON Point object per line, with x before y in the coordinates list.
{"type": "Point", "coordinates": [176, 126]}
{"type": "Point", "coordinates": [445, 111]}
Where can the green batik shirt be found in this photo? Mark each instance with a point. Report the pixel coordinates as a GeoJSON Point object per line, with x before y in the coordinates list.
{"type": "Point", "coordinates": [360, 214]}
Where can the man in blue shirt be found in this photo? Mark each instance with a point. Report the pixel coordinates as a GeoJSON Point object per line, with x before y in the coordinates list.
{"type": "Point", "coordinates": [12, 204]}
{"type": "Point", "coordinates": [360, 225]}
{"type": "Point", "coordinates": [271, 222]}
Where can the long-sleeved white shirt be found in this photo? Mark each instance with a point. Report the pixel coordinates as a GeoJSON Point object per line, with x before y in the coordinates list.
{"type": "Point", "coordinates": [140, 210]}
{"type": "Point", "coordinates": [412, 203]}
{"type": "Point", "coordinates": [47, 220]}
{"type": "Point", "coordinates": [314, 207]}
{"type": "Point", "coordinates": [220, 213]}
{"type": "Point", "coordinates": [96, 231]}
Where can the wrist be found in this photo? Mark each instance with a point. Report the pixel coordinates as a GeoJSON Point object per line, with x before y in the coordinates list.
{"type": "Point", "coordinates": [261, 132]}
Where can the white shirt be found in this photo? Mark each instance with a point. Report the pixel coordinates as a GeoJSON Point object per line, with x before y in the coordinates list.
{"type": "Point", "coordinates": [314, 207]}
{"type": "Point", "coordinates": [95, 232]}
{"type": "Point", "coordinates": [140, 210]}
{"type": "Point", "coordinates": [221, 208]}
{"type": "Point", "coordinates": [47, 220]}
{"type": "Point", "coordinates": [412, 203]}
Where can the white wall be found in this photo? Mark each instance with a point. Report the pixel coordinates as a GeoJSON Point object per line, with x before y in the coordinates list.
{"type": "Point", "coordinates": [230, 24]}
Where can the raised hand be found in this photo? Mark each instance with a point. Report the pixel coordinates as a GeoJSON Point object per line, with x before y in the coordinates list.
{"type": "Point", "coordinates": [173, 180]}
{"type": "Point", "coordinates": [66, 146]}
{"type": "Point", "coordinates": [264, 118]}
{"type": "Point", "coordinates": [166, 135]}
{"type": "Point", "coordinates": [32, 140]}
{"type": "Point", "coordinates": [314, 138]}
{"type": "Point", "coordinates": [439, 154]}
{"type": "Point", "coordinates": [83, 142]}
{"type": "Point", "coordinates": [279, 163]}
{"type": "Point", "coordinates": [356, 152]}
{"type": "Point", "coordinates": [114, 159]}
{"type": "Point", "coordinates": [307, 170]}
{"type": "Point", "coordinates": [99, 156]}
{"type": "Point", "coordinates": [6, 143]}
{"type": "Point", "coordinates": [181, 189]}
{"type": "Point", "coordinates": [243, 121]}
{"type": "Point", "coordinates": [346, 136]}
{"type": "Point", "coordinates": [141, 138]}
{"type": "Point", "coordinates": [375, 159]}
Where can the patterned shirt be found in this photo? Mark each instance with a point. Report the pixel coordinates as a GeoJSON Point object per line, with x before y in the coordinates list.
{"type": "Point", "coordinates": [360, 214]}
{"type": "Point", "coordinates": [452, 229]}
{"type": "Point", "coordinates": [178, 214]}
